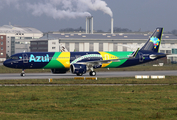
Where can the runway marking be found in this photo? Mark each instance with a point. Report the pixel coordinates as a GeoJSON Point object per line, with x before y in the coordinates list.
{"type": "Point", "coordinates": [13, 76]}
{"type": "Point", "coordinates": [22, 85]}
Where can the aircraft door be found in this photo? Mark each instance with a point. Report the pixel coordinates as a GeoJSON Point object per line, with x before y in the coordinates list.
{"type": "Point", "coordinates": [106, 57]}
{"type": "Point", "coordinates": [25, 58]}
{"type": "Point", "coordinates": [140, 57]}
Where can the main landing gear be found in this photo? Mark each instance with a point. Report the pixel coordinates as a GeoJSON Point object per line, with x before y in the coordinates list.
{"type": "Point", "coordinates": [23, 73]}
{"type": "Point", "coordinates": [79, 74]}
{"type": "Point", "coordinates": [92, 73]}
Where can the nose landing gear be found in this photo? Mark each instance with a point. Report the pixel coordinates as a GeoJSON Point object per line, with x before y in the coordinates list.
{"type": "Point", "coordinates": [23, 73]}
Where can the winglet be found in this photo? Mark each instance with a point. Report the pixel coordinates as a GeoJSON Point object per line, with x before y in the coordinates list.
{"type": "Point", "coordinates": [63, 48]}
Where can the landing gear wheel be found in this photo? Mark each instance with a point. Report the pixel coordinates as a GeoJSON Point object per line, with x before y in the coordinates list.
{"type": "Point", "coordinates": [23, 74]}
{"type": "Point", "coordinates": [79, 74]}
{"type": "Point", "coordinates": [92, 73]}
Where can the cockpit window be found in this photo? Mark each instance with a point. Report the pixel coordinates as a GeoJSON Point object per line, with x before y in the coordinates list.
{"type": "Point", "coordinates": [14, 57]}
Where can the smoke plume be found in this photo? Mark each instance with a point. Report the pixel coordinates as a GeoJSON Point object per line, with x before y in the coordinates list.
{"type": "Point", "coordinates": [60, 9]}
{"type": "Point", "coordinates": [98, 5]}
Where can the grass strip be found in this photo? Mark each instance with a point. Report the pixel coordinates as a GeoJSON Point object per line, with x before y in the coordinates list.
{"type": "Point", "coordinates": [119, 80]}
{"type": "Point", "coordinates": [89, 102]}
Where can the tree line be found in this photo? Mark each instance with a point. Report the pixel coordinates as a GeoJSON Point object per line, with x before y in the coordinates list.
{"type": "Point", "coordinates": [116, 30]}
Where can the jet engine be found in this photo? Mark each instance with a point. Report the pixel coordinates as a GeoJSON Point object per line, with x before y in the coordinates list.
{"type": "Point", "coordinates": [78, 69]}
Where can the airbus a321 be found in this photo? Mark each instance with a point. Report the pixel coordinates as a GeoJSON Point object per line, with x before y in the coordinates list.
{"type": "Point", "coordinates": [81, 62]}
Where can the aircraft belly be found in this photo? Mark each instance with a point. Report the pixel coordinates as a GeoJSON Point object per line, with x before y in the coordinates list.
{"type": "Point", "coordinates": [116, 64]}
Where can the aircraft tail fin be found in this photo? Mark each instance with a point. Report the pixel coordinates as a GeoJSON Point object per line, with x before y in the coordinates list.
{"type": "Point", "coordinates": [153, 44]}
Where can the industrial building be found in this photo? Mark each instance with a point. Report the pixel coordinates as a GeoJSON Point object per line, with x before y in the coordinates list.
{"type": "Point", "coordinates": [3, 47]}
{"type": "Point", "coordinates": [100, 42]}
{"type": "Point", "coordinates": [90, 41]}
{"type": "Point", "coordinates": [15, 39]}
{"type": "Point", "coordinates": [82, 42]}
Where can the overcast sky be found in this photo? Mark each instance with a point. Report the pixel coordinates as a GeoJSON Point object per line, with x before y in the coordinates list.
{"type": "Point", "coordinates": [53, 15]}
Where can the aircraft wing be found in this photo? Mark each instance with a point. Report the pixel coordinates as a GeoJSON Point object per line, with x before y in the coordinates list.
{"type": "Point", "coordinates": [100, 62]}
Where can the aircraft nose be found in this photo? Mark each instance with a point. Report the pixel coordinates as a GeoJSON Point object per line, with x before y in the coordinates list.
{"type": "Point", "coordinates": [6, 63]}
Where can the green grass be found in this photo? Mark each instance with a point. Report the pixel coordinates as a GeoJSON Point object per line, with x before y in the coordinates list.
{"type": "Point", "coordinates": [84, 102]}
{"type": "Point", "coordinates": [90, 102]}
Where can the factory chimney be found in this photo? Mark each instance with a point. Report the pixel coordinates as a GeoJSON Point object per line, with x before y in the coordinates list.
{"type": "Point", "coordinates": [112, 26]}
{"type": "Point", "coordinates": [89, 25]}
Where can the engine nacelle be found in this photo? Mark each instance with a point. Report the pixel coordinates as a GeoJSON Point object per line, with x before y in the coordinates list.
{"type": "Point", "coordinates": [78, 68]}
{"type": "Point", "coordinates": [59, 71]}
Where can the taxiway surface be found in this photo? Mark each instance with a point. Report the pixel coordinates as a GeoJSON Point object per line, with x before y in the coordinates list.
{"type": "Point", "coordinates": [99, 74]}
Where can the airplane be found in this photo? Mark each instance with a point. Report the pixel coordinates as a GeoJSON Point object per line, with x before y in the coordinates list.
{"type": "Point", "coordinates": [80, 62]}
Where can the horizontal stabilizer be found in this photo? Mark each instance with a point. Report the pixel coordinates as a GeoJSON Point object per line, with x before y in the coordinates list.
{"type": "Point", "coordinates": [154, 56]}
